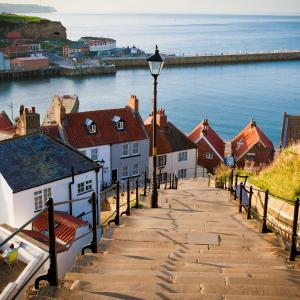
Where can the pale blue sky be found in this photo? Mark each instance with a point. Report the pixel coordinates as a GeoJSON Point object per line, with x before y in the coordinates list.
{"type": "Point", "coordinates": [174, 6]}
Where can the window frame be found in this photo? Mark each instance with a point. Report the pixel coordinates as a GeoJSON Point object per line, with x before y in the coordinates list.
{"type": "Point", "coordinates": [209, 155]}
{"type": "Point", "coordinates": [120, 125]}
{"type": "Point", "coordinates": [182, 156]}
{"type": "Point", "coordinates": [138, 169]}
{"type": "Point", "coordinates": [92, 128]}
{"type": "Point", "coordinates": [138, 148]}
{"type": "Point", "coordinates": [181, 173]}
{"type": "Point", "coordinates": [94, 150]}
{"type": "Point", "coordinates": [125, 155]}
{"type": "Point", "coordinates": [122, 171]}
{"type": "Point", "coordinates": [40, 198]}
{"type": "Point", "coordinates": [164, 161]}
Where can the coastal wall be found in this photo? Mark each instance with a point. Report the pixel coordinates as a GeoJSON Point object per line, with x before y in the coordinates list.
{"type": "Point", "coordinates": [121, 63]}
{"type": "Point", "coordinates": [88, 71]}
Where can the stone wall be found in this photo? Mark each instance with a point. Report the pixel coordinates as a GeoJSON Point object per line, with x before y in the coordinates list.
{"type": "Point", "coordinates": [208, 59]}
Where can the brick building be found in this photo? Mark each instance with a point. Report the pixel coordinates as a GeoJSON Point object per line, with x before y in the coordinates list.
{"type": "Point", "coordinates": [252, 147]}
{"type": "Point", "coordinates": [30, 63]}
{"type": "Point", "coordinates": [290, 133]}
{"type": "Point", "coordinates": [210, 146]}
{"type": "Point", "coordinates": [74, 48]}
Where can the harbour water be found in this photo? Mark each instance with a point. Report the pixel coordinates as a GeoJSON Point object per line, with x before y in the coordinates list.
{"type": "Point", "coordinates": [228, 95]}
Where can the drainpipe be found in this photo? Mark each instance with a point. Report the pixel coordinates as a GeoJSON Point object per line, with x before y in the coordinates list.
{"type": "Point", "coordinates": [70, 193]}
{"type": "Point", "coordinates": [97, 169]}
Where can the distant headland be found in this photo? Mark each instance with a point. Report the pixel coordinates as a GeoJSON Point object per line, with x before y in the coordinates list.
{"type": "Point", "coordinates": [25, 8]}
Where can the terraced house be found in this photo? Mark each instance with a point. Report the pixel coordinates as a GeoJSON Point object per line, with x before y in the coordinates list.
{"type": "Point", "coordinates": [116, 136]}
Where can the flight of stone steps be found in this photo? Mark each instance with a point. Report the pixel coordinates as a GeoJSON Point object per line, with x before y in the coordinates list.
{"type": "Point", "coordinates": [196, 246]}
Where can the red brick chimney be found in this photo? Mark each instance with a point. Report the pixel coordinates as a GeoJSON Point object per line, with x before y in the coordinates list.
{"type": "Point", "coordinates": [133, 103]}
{"type": "Point", "coordinates": [28, 121]}
{"type": "Point", "coordinates": [205, 126]}
{"type": "Point", "coordinates": [59, 109]}
{"type": "Point", "coordinates": [161, 118]}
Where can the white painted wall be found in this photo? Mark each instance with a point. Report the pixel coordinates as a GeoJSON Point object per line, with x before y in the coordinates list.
{"type": "Point", "coordinates": [173, 165]}
{"type": "Point", "coordinates": [6, 202]}
{"type": "Point", "coordinates": [22, 208]}
{"type": "Point", "coordinates": [103, 47]}
{"type": "Point", "coordinates": [105, 153]}
{"type": "Point", "coordinates": [65, 260]}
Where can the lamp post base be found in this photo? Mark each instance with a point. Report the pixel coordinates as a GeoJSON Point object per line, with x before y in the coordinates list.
{"type": "Point", "coordinates": [154, 199]}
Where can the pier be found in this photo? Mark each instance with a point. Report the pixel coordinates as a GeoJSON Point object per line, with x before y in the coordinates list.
{"type": "Point", "coordinates": [209, 59]}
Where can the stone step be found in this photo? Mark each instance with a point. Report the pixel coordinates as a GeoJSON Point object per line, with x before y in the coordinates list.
{"type": "Point", "coordinates": [149, 277]}
{"type": "Point", "coordinates": [247, 297]}
{"type": "Point", "coordinates": [255, 290]}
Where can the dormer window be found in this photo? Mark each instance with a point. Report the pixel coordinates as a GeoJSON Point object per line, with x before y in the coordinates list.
{"type": "Point", "coordinates": [120, 125]}
{"type": "Point", "coordinates": [118, 122]}
{"type": "Point", "coordinates": [90, 126]}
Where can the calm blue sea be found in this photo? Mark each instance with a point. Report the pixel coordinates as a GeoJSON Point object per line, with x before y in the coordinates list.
{"type": "Point", "coordinates": [229, 95]}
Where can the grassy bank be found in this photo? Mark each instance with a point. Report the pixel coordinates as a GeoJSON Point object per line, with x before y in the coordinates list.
{"type": "Point", "coordinates": [282, 178]}
{"type": "Point", "coordinates": [17, 19]}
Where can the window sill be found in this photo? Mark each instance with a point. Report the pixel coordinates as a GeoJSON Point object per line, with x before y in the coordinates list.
{"type": "Point", "coordinates": [130, 177]}
{"type": "Point", "coordinates": [85, 192]}
{"type": "Point", "coordinates": [130, 156]}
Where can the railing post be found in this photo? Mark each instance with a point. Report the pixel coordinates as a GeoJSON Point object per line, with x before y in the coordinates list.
{"type": "Point", "coordinates": [173, 180]}
{"type": "Point", "coordinates": [236, 181]}
{"type": "Point", "coordinates": [159, 179]}
{"type": "Point", "coordinates": [222, 183]}
{"type": "Point", "coordinates": [241, 197]}
{"type": "Point", "coordinates": [137, 193]}
{"type": "Point", "coordinates": [264, 228]}
{"type": "Point", "coordinates": [249, 204]}
{"type": "Point", "coordinates": [209, 180]}
{"type": "Point", "coordinates": [166, 181]}
{"type": "Point", "coordinates": [231, 182]}
{"type": "Point", "coordinates": [225, 179]}
{"type": "Point", "coordinates": [127, 212]}
{"type": "Point", "coordinates": [294, 251]}
{"type": "Point", "coordinates": [94, 243]}
{"type": "Point", "coordinates": [176, 182]}
{"type": "Point", "coordinates": [145, 183]}
{"type": "Point", "coordinates": [52, 275]}
{"type": "Point", "coordinates": [170, 181]}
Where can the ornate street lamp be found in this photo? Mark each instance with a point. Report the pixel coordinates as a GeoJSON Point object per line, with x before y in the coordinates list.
{"type": "Point", "coordinates": [155, 64]}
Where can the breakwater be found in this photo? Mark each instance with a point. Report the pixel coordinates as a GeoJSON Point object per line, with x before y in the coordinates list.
{"type": "Point", "coordinates": [122, 63]}
{"type": "Point", "coordinates": [31, 74]}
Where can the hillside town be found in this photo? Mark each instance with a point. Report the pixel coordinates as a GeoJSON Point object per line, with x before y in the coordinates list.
{"type": "Point", "coordinates": [72, 154]}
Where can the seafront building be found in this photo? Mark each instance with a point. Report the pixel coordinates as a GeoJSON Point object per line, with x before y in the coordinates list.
{"type": "Point", "coordinates": [176, 154]}
{"type": "Point", "coordinates": [251, 147]}
{"type": "Point", "coordinates": [209, 144]}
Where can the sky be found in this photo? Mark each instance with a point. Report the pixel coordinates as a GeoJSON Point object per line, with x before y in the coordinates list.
{"type": "Point", "coordinates": [291, 7]}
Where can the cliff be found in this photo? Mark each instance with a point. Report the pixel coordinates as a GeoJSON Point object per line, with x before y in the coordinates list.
{"type": "Point", "coordinates": [31, 27]}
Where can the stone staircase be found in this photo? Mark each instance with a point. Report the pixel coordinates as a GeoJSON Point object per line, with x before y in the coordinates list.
{"type": "Point", "coordinates": [196, 246]}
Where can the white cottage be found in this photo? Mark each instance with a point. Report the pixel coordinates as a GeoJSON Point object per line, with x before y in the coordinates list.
{"type": "Point", "coordinates": [175, 152]}
{"type": "Point", "coordinates": [35, 167]}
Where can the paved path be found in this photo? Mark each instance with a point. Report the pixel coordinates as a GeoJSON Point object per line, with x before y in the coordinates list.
{"type": "Point", "coordinates": [196, 246]}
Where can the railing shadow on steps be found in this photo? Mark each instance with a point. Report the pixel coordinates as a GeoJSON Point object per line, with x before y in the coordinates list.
{"type": "Point", "coordinates": [237, 186]}
{"type": "Point", "coordinates": [139, 187]}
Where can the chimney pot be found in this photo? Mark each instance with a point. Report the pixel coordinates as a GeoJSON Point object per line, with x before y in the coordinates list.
{"type": "Point", "coordinates": [33, 109]}
{"type": "Point", "coordinates": [26, 111]}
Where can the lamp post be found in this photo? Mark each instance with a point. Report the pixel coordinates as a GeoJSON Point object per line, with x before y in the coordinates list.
{"type": "Point", "coordinates": [155, 64]}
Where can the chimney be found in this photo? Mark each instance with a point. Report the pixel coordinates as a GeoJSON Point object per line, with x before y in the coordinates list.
{"type": "Point", "coordinates": [28, 121]}
{"type": "Point", "coordinates": [253, 123]}
{"type": "Point", "coordinates": [205, 126]}
{"type": "Point", "coordinates": [59, 109]}
{"type": "Point", "coordinates": [133, 103]}
{"type": "Point", "coordinates": [161, 118]}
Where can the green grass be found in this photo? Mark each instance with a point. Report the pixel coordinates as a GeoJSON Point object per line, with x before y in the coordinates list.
{"type": "Point", "coordinates": [281, 178]}
{"type": "Point", "coordinates": [17, 19]}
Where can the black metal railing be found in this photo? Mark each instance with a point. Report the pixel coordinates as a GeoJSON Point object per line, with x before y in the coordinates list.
{"type": "Point", "coordinates": [236, 184]}
{"type": "Point", "coordinates": [137, 188]}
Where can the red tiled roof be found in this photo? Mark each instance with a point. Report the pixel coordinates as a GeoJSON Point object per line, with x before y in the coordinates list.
{"type": "Point", "coordinates": [5, 122]}
{"type": "Point", "coordinates": [66, 225]}
{"type": "Point", "coordinates": [78, 137]}
{"type": "Point", "coordinates": [247, 138]}
{"type": "Point", "coordinates": [169, 139]}
{"type": "Point", "coordinates": [212, 137]}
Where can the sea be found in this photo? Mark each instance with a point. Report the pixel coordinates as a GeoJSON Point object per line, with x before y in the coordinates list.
{"type": "Point", "coordinates": [228, 95]}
